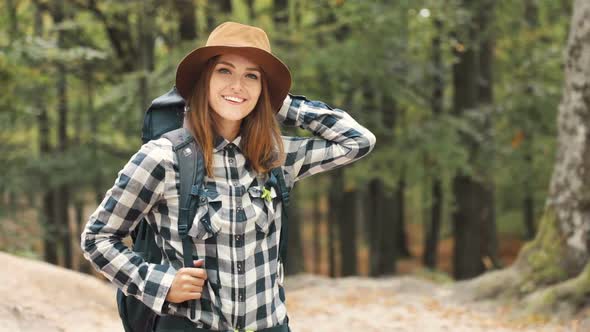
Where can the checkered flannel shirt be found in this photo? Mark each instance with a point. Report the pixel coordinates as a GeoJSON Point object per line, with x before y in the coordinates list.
{"type": "Point", "coordinates": [246, 224]}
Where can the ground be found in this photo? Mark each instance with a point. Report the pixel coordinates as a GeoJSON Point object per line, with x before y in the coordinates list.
{"type": "Point", "coordinates": [42, 297]}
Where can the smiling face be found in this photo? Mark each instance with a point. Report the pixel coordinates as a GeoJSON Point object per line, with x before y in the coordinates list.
{"type": "Point", "coordinates": [234, 89]}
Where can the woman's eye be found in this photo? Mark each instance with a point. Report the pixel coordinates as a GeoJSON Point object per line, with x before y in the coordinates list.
{"type": "Point", "coordinates": [252, 76]}
{"type": "Point", "coordinates": [223, 70]}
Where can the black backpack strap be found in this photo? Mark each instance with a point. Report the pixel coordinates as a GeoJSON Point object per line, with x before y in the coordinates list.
{"type": "Point", "coordinates": [277, 180]}
{"type": "Point", "coordinates": [192, 170]}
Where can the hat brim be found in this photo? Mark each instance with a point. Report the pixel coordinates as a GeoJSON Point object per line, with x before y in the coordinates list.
{"type": "Point", "coordinates": [277, 74]}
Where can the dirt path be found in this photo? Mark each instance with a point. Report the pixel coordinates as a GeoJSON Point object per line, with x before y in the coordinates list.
{"type": "Point", "coordinates": [397, 304]}
{"type": "Point", "coordinates": [41, 297]}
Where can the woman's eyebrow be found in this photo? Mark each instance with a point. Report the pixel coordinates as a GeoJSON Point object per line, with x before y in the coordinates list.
{"type": "Point", "coordinates": [231, 65]}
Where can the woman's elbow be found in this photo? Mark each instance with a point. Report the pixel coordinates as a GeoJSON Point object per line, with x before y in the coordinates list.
{"type": "Point", "coordinates": [372, 140]}
{"type": "Point", "coordinates": [366, 143]}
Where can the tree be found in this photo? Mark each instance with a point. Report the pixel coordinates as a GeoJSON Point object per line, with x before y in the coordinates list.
{"type": "Point", "coordinates": [187, 26]}
{"type": "Point", "coordinates": [429, 257]}
{"type": "Point", "coordinates": [474, 210]}
{"type": "Point", "coordinates": [553, 270]}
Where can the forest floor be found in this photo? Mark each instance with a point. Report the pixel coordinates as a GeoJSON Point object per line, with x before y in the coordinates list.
{"type": "Point", "coordinates": [42, 297]}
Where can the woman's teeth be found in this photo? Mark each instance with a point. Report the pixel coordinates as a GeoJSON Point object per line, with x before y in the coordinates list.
{"type": "Point", "coordinates": [234, 99]}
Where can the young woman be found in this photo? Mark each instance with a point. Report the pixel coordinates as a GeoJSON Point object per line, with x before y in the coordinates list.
{"type": "Point", "coordinates": [237, 96]}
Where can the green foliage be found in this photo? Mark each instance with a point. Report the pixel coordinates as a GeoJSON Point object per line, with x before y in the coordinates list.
{"type": "Point", "coordinates": [370, 58]}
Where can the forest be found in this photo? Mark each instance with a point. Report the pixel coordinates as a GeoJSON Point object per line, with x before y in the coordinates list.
{"type": "Point", "coordinates": [481, 111]}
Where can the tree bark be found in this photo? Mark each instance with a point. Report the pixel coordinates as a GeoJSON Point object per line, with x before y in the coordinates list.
{"type": "Point", "coordinates": [375, 214]}
{"type": "Point", "coordinates": [63, 192]}
{"type": "Point", "coordinates": [466, 190]}
{"type": "Point", "coordinates": [389, 235]}
{"type": "Point", "coordinates": [119, 32]}
{"type": "Point", "coordinates": [553, 271]}
{"type": "Point", "coordinates": [430, 254]}
{"type": "Point", "coordinates": [47, 215]}
{"type": "Point", "coordinates": [13, 20]}
{"type": "Point", "coordinates": [531, 18]}
{"type": "Point", "coordinates": [187, 26]}
{"type": "Point", "coordinates": [295, 258]}
{"type": "Point", "coordinates": [281, 15]}
{"type": "Point", "coordinates": [348, 263]}
{"type": "Point", "coordinates": [146, 47]}
{"type": "Point", "coordinates": [486, 99]}
{"type": "Point", "coordinates": [317, 221]}
{"type": "Point", "coordinates": [334, 213]}
{"type": "Point", "coordinates": [474, 212]}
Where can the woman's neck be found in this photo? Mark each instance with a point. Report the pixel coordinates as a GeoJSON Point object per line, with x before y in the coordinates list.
{"type": "Point", "coordinates": [228, 129]}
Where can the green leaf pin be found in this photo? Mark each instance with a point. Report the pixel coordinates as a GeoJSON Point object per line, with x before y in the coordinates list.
{"type": "Point", "coordinates": [266, 194]}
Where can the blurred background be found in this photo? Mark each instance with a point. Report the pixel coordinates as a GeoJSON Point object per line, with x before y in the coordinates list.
{"type": "Point", "coordinates": [462, 96]}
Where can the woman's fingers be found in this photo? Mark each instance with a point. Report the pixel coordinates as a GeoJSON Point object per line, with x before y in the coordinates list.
{"type": "Point", "coordinates": [194, 272]}
{"type": "Point", "coordinates": [194, 296]}
{"type": "Point", "coordinates": [188, 279]}
{"type": "Point", "coordinates": [192, 288]}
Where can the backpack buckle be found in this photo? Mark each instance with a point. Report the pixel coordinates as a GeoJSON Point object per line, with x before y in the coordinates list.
{"type": "Point", "coordinates": [182, 230]}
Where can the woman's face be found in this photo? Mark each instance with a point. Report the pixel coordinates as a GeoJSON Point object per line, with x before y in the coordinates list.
{"type": "Point", "coordinates": [234, 88]}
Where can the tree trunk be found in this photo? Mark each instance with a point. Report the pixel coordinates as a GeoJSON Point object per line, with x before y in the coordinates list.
{"type": "Point", "coordinates": [281, 14]}
{"type": "Point", "coordinates": [553, 270]}
{"type": "Point", "coordinates": [467, 192]}
{"type": "Point", "coordinates": [146, 47]}
{"type": "Point", "coordinates": [348, 263]}
{"type": "Point", "coordinates": [401, 248]}
{"type": "Point", "coordinates": [375, 206]}
{"type": "Point", "coordinates": [389, 235]}
{"type": "Point", "coordinates": [47, 219]}
{"type": "Point", "coordinates": [334, 213]}
{"type": "Point", "coordinates": [531, 18]}
{"type": "Point", "coordinates": [430, 254]}
{"type": "Point", "coordinates": [63, 192]}
{"type": "Point", "coordinates": [474, 210]}
{"type": "Point", "coordinates": [486, 99]}
{"type": "Point", "coordinates": [295, 257]}
{"type": "Point", "coordinates": [317, 222]}
{"type": "Point", "coordinates": [13, 20]}
{"type": "Point", "coordinates": [187, 26]}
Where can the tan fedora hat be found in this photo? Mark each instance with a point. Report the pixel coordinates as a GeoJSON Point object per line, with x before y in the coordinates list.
{"type": "Point", "coordinates": [245, 40]}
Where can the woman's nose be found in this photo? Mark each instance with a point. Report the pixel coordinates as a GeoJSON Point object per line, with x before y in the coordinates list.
{"type": "Point", "coordinates": [236, 84]}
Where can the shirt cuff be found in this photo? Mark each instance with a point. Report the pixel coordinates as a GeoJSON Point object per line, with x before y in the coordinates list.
{"type": "Point", "coordinates": [164, 284]}
{"type": "Point", "coordinates": [282, 113]}
{"type": "Point", "coordinates": [288, 115]}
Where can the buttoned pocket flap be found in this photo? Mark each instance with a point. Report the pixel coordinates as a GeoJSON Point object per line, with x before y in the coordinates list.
{"type": "Point", "coordinates": [204, 226]}
{"type": "Point", "coordinates": [265, 200]}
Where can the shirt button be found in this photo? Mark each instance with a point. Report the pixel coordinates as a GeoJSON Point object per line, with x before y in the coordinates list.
{"type": "Point", "coordinates": [231, 160]}
{"type": "Point", "coordinates": [238, 237]}
{"type": "Point", "coordinates": [239, 267]}
{"type": "Point", "coordinates": [241, 297]}
{"type": "Point", "coordinates": [236, 183]}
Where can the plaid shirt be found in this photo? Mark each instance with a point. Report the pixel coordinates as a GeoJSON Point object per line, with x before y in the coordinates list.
{"type": "Point", "coordinates": [247, 226]}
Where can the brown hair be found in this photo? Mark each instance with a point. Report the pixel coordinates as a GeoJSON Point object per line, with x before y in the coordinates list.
{"type": "Point", "coordinates": [261, 136]}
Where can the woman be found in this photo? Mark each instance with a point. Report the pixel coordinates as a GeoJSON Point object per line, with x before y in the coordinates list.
{"type": "Point", "coordinates": [234, 87]}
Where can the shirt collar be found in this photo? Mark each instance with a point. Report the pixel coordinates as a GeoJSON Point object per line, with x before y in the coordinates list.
{"type": "Point", "coordinates": [219, 142]}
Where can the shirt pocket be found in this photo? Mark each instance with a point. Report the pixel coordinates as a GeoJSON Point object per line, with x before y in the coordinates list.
{"type": "Point", "coordinates": [265, 200]}
{"type": "Point", "coordinates": [204, 226]}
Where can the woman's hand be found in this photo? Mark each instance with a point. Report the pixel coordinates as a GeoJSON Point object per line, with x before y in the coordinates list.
{"type": "Point", "coordinates": [188, 283]}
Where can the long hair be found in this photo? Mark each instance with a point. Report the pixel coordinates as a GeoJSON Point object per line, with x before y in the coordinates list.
{"type": "Point", "coordinates": [261, 140]}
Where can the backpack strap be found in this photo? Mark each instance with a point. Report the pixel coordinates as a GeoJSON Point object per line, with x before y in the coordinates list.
{"type": "Point", "coordinates": [191, 168]}
{"type": "Point", "coordinates": [277, 180]}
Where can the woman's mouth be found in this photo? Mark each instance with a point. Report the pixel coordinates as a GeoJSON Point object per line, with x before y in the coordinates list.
{"type": "Point", "coordinates": [234, 100]}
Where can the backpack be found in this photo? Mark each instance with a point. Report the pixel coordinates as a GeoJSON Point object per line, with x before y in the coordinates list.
{"type": "Point", "coordinates": [164, 118]}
